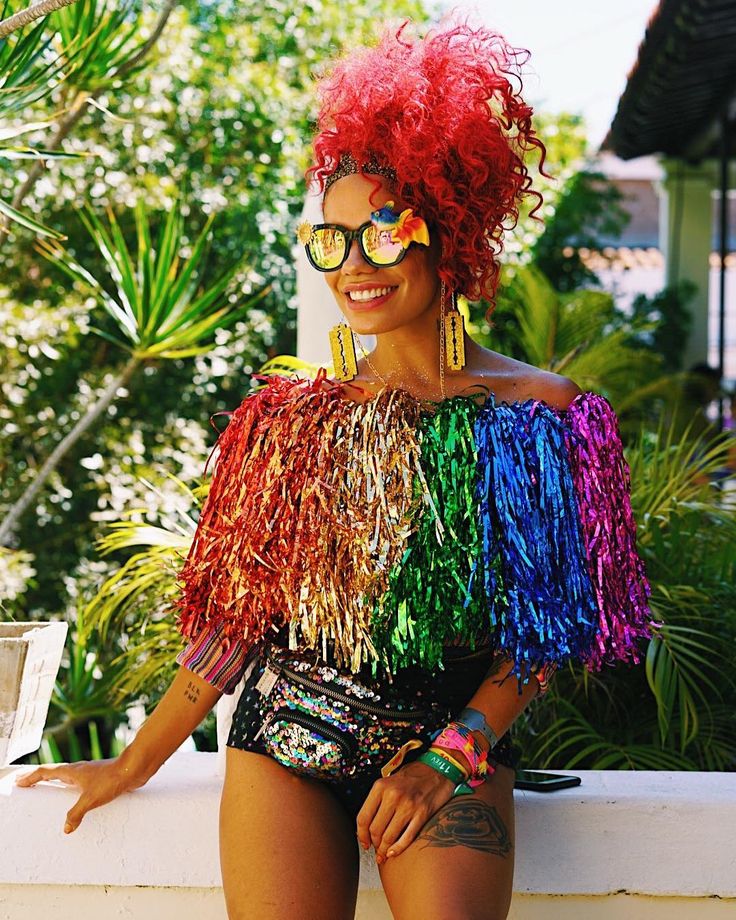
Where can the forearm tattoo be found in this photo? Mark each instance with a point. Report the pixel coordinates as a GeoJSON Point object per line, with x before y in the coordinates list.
{"type": "Point", "coordinates": [192, 692]}
{"type": "Point", "coordinates": [476, 825]}
{"type": "Point", "coordinates": [498, 662]}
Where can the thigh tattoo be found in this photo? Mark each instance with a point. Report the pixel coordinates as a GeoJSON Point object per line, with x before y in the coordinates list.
{"type": "Point", "coordinates": [460, 823]}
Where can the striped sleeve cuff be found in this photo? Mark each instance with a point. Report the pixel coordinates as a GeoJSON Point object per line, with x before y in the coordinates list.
{"type": "Point", "coordinates": [544, 676]}
{"type": "Point", "coordinates": [215, 658]}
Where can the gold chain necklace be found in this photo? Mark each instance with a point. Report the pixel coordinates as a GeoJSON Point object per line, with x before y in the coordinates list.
{"type": "Point", "coordinates": [442, 347]}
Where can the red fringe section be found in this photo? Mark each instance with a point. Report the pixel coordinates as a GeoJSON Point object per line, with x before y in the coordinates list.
{"type": "Point", "coordinates": [252, 516]}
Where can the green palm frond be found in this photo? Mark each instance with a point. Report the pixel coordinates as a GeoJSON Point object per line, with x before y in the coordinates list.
{"type": "Point", "coordinates": [289, 364]}
{"type": "Point", "coordinates": [608, 363]}
{"type": "Point", "coordinates": [579, 334]}
{"type": "Point", "coordinates": [148, 660]}
{"type": "Point", "coordinates": [151, 570]}
{"type": "Point", "coordinates": [104, 35]}
{"type": "Point", "coordinates": [669, 474]}
{"type": "Point", "coordinates": [29, 223]}
{"type": "Point", "coordinates": [29, 69]}
{"type": "Point", "coordinates": [135, 606]}
{"type": "Point", "coordinates": [571, 741]}
{"type": "Point", "coordinates": [154, 296]}
{"type": "Point", "coordinates": [136, 602]}
{"type": "Point", "coordinates": [717, 738]}
{"type": "Point", "coordinates": [86, 689]}
{"type": "Point", "coordinates": [680, 664]}
{"type": "Point", "coordinates": [540, 317]}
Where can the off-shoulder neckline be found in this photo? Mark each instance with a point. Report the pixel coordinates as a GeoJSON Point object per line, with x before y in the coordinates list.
{"type": "Point", "coordinates": [490, 399]}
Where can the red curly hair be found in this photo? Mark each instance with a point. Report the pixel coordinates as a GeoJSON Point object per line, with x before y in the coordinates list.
{"type": "Point", "coordinates": [445, 112]}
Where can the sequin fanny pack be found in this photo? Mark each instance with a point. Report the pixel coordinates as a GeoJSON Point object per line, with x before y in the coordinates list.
{"type": "Point", "coordinates": [330, 724]}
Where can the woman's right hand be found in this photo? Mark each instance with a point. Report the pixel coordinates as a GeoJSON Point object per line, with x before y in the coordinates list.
{"type": "Point", "coordinates": [177, 714]}
{"type": "Point", "coordinates": [100, 781]}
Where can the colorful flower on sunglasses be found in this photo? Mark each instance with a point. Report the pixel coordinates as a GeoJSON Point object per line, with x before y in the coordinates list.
{"type": "Point", "coordinates": [304, 232]}
{"type": "Point", "coordinates": [405, 227]}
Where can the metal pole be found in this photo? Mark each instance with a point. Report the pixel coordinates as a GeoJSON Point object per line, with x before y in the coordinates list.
{"type": "Point", "coordinates": [723, 252]}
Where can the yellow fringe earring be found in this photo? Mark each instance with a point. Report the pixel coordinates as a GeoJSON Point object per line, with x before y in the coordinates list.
{"type": "Point", "coordinates": [455, 337]}
{"type": "Point", "coordinates": [342, 345]}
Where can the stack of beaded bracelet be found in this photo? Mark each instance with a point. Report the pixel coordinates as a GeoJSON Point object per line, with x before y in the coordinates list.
{"type": "Point", "coordinates": [457, 737]}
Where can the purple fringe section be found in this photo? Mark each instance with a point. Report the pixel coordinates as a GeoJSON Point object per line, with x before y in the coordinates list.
{"type": "Point", "coordinates": [602, 484]}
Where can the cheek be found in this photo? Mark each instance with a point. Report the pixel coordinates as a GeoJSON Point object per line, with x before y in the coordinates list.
{"type": "Point", "coordinates": [331, 281]}
{"type": "Point", "coordinates": [421, 277]}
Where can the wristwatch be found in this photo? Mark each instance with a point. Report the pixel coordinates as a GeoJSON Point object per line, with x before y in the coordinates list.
{"type": "Point", "coordinates": [476, 722]}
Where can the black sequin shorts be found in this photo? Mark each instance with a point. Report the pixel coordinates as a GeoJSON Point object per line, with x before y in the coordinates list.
{"type": "Point", "coordinates": [453, 687]}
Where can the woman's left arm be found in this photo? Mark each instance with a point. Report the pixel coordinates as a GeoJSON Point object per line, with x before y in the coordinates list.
{"type": "Point", "coordinates": [398, 806]}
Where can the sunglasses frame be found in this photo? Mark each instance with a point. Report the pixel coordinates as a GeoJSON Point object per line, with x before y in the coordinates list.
{"type": "Point", "coordinates": [351, 235]}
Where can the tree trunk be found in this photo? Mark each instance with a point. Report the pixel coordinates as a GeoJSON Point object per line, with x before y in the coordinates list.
{"type": "Point", "coordinates": [62, 448]}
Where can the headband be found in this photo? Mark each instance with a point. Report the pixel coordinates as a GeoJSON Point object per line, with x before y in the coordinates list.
{"type": "Point", "coordinates": [348, 166]}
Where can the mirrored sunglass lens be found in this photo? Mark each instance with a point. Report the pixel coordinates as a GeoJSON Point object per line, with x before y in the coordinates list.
{"type": "Point", "coordinates": [379, 246]}
{"type": "Point", "coordinates": [327, 247]}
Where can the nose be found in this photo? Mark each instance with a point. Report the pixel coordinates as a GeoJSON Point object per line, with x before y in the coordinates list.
{"type": "Point", "coordinates": [355, 264]}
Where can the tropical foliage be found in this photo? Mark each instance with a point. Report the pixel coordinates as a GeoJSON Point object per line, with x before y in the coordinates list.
{"type": "Point", "coordinates": [676, 711]}
{"type": "Point", "coordinates": [179, 123]}
{"type": "Point", "coordinates": [157, 306]}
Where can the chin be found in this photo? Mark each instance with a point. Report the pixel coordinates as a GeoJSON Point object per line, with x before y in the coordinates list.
{"type": "Point", "coordinates": [365, 326]}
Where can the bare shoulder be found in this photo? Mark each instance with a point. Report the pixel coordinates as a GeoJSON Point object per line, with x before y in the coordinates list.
{"type": "Point", "coordinates": [514, 380]}
{"type": "Point", "coordinates": [555, 389]}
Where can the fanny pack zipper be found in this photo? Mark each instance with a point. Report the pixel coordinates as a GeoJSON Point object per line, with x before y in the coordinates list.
{"type": "Point", "coordinates": [306, 721]}
{"type": "Point", "coordinates": [403, 715]}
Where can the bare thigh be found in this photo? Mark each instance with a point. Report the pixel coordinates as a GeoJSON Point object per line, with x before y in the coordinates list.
{"type": "Point", "coordinates": [461, 866]}
{"type": "Point", "coordinates": [287, 847]}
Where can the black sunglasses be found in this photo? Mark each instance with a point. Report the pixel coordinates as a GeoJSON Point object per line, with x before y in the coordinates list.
{"type": "Point", "coordinates": [329, 245]}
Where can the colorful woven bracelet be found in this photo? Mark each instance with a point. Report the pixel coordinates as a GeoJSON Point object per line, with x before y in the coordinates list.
{"type": "Point", "coordinates": [459, 738]}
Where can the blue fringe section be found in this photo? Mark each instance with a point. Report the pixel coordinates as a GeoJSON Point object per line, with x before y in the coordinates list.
{"type": "Point", "coordinates": [533, 557]}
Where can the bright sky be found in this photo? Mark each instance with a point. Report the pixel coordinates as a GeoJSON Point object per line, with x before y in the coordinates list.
{"type": "Point", "coordinates": [582, 51]}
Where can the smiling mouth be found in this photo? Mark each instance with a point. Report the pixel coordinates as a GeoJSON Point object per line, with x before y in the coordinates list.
{"type": "Point", "coordinates": [369, 294]}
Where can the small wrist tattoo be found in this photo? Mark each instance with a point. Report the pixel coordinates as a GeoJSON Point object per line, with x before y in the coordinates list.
{"type": "Point", "coordinates": [192, 692]}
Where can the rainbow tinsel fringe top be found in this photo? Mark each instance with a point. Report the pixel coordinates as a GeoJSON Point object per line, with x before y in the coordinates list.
{"type": "Point", "coordinates": [385, 531]}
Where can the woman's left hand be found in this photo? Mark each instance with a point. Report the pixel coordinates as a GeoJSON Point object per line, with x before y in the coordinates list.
{"type": "Point", "coordinates": [399, 806]}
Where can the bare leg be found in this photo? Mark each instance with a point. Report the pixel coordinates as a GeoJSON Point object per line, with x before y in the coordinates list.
{"type": "Point", "coordinates": [287, 847]}
{"type": "Point", "coordinates": [462, 863]}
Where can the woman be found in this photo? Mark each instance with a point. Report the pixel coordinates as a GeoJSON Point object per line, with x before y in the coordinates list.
{"type": "Point", "coordinates": [380, 552]}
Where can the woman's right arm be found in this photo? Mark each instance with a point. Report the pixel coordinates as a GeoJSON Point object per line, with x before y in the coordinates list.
{"type": "Point", "coordinates": [181, 709]}
{"type": "Point", "coordinates": [211, 664]}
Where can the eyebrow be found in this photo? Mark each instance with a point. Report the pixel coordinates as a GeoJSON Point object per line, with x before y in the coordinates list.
{"type": "Point", "coordinates": [346, 226]}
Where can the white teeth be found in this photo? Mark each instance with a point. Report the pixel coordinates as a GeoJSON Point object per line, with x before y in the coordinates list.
{"type": "Point", "coordinates": [369, 295]}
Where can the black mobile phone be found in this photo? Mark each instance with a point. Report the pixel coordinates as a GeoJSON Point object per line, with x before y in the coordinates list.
{"type": "Point", "coordinates": [538, 781]}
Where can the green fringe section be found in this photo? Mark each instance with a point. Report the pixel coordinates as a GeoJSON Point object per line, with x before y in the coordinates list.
{"type": "Point", "coordinates": [427, 604]}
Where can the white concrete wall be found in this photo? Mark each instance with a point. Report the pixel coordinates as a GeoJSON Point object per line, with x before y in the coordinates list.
{"type": "Point", "coordinates": [635, 845]}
